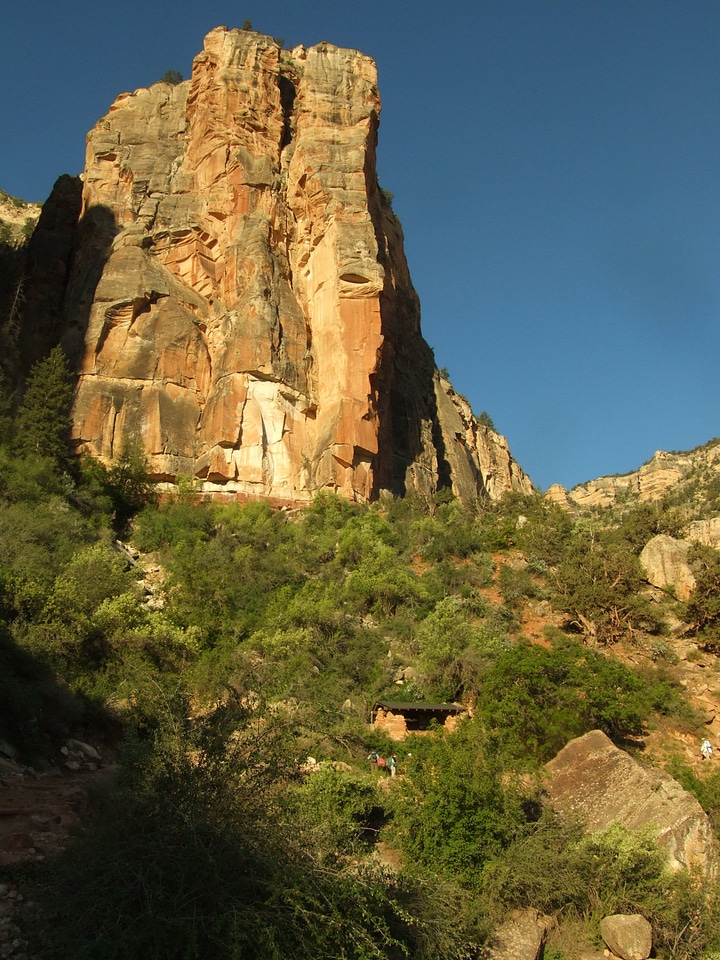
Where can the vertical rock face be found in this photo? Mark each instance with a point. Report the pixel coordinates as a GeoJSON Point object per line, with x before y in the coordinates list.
{"type": "Point", "coordinates": [238, 301]}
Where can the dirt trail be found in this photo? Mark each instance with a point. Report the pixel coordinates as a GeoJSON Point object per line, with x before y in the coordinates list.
{"type": "Point", "coordinates": [38, 811]}
{"type": "Point", "coordinates": [37, 815]}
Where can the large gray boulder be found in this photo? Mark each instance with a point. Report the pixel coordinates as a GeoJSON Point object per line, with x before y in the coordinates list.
{"type": "Point", "coordinates": [628, 936]}
{"type": "Point", "coordinates": [665, 561]}
{"type": "Point", "coordinates": [591, 779]}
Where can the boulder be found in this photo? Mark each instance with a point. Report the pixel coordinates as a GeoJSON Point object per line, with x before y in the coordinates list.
{"type": "Point", "coordinates": [521, 937]}
{"type": "Point", "coordinates": [88, 752]}
{"type": "Point", "coordinates": [665, 562]}
{"type": "Point", "coordinates": [628, 936]}
{"type": "Point", "coordinates": [594, 781]}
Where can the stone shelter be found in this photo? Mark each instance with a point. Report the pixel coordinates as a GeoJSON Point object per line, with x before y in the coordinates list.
{"type": "Point", "coordinates": [398, 718]}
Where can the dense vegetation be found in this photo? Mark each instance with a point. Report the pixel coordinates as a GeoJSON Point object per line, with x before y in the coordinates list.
{"type": "Point", "coordinates": [267, 639]}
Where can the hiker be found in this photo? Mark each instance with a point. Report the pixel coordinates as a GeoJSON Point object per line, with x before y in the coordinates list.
{"type": "Point", "coordinates": [392, 764]}
{"type": "Point", "coordinates": [373, 757]}
{"type": "Point", "coordinates": [706, 750]}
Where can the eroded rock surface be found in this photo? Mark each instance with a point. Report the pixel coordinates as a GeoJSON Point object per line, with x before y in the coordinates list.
{"type": "Point", "coordinates": [706, 532]}
{"type": "Point", "coordinates": [650, 482]}
{"type": "Point", "coordinates": [239, 303]}
{"type": "Point", "coordinates": [598, 783]}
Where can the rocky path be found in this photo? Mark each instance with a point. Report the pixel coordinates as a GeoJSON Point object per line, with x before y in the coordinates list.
{"type": "Point", "coordinates": [38, 812]}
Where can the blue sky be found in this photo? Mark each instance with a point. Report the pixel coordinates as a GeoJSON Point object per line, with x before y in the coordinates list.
{"type": "Point", "coordinates": [555, 165]}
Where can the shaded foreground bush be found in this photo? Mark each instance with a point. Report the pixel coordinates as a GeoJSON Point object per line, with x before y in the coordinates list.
{"type": "Point", "coordinates": [198, 856]}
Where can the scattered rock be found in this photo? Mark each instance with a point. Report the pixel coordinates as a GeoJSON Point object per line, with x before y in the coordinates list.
{"type": "Point", "coordinates": [9, 770]}
{"type": "Point", "coordinates": [404, 675]}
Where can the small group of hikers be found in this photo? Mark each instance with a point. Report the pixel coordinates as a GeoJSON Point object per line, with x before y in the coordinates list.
{"type": "Point", "coordinates": [382, 764]}
{"type": "Point", "coordinates": [706, 750]}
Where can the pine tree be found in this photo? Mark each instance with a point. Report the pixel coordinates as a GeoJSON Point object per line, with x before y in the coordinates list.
{"type": "Point", "coordinates": [43, 422]}
{"type": "Point", "coordinates": [6, 400]}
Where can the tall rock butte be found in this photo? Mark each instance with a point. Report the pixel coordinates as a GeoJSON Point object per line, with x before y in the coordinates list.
{"type": "Point", "coordinates": [235, 296]}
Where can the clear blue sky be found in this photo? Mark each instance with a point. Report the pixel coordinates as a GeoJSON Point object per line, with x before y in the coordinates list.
{"type": "Point", "coordinates": [555, 165]}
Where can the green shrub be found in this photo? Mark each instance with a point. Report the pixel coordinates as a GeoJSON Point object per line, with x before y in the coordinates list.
{"type": "Point", "coordinates": [171, 76]}
{"type": "Point", "coordinates": [598, 584]}
{"type": "Point", "coordinates": [455, 650]}
{"type": "Point", "coordinates": [516, 585]}
{"type": "Point", "coordinates": [705, 787]}
{"type": "Point", "coordinates": [703, 608]}
{"type": "Point", "coordinates": [559, 870]}
{"type": "Point", "coordinates": [532, 700]}
{"type": "Point", "coordinates": [336, 807]}
{"type": "Point", "coordinates": [456, 810]}
{"type": "Point", "coordinates": [36, 709]}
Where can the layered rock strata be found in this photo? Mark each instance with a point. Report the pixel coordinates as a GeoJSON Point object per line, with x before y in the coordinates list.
{"type": "Point", "coordinates": [652, 481]}
{"type": "Point", "coordinates": [238, 302]}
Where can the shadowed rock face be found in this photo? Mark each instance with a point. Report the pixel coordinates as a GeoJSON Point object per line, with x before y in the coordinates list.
{"type": "Point", "coordinates": [238, 300]}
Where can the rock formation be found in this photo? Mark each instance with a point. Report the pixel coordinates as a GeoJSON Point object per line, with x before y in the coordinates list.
{"type": "Point", "coordinates": [664, 472]}
{"type": "Point", "coordinates": [706, 532]}
{"type": "Point", "coordinates": [593, 780]}
{"type": "Point", "coordinates": [237, 301]}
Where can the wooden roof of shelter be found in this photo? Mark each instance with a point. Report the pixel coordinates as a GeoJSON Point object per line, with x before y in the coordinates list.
{"type": "Point", "coordinates": [409, 706]}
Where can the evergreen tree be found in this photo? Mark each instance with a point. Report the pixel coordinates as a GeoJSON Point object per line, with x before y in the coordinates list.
{"type": "Point", "coordinates": [6, 398]}
{"type": "Point", "coordinates": [43, 422]}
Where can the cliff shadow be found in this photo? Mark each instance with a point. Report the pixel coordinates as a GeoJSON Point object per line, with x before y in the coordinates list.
{"type": "Point", "coordinates": [37, 710]}
{"type": "Point", "coordinates": [13, 268]}
{"type": "Point", "coordinates": [410, 440]}
{"type": "Point", "coordinates": [65, 260]}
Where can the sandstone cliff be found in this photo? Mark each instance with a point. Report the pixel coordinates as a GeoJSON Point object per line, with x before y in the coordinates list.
{"type": "Point", "coordinates": [17, 219]}
{"type": "Point", "coordinates": [237, 299]}
{"type": "Point", "coordinates": [665, 472]}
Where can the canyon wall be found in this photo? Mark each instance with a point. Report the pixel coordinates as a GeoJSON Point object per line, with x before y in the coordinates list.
{"type": "Point", "coordinates": [666, 472]}
{"type": "Point", "coordinates": [235, 296]}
